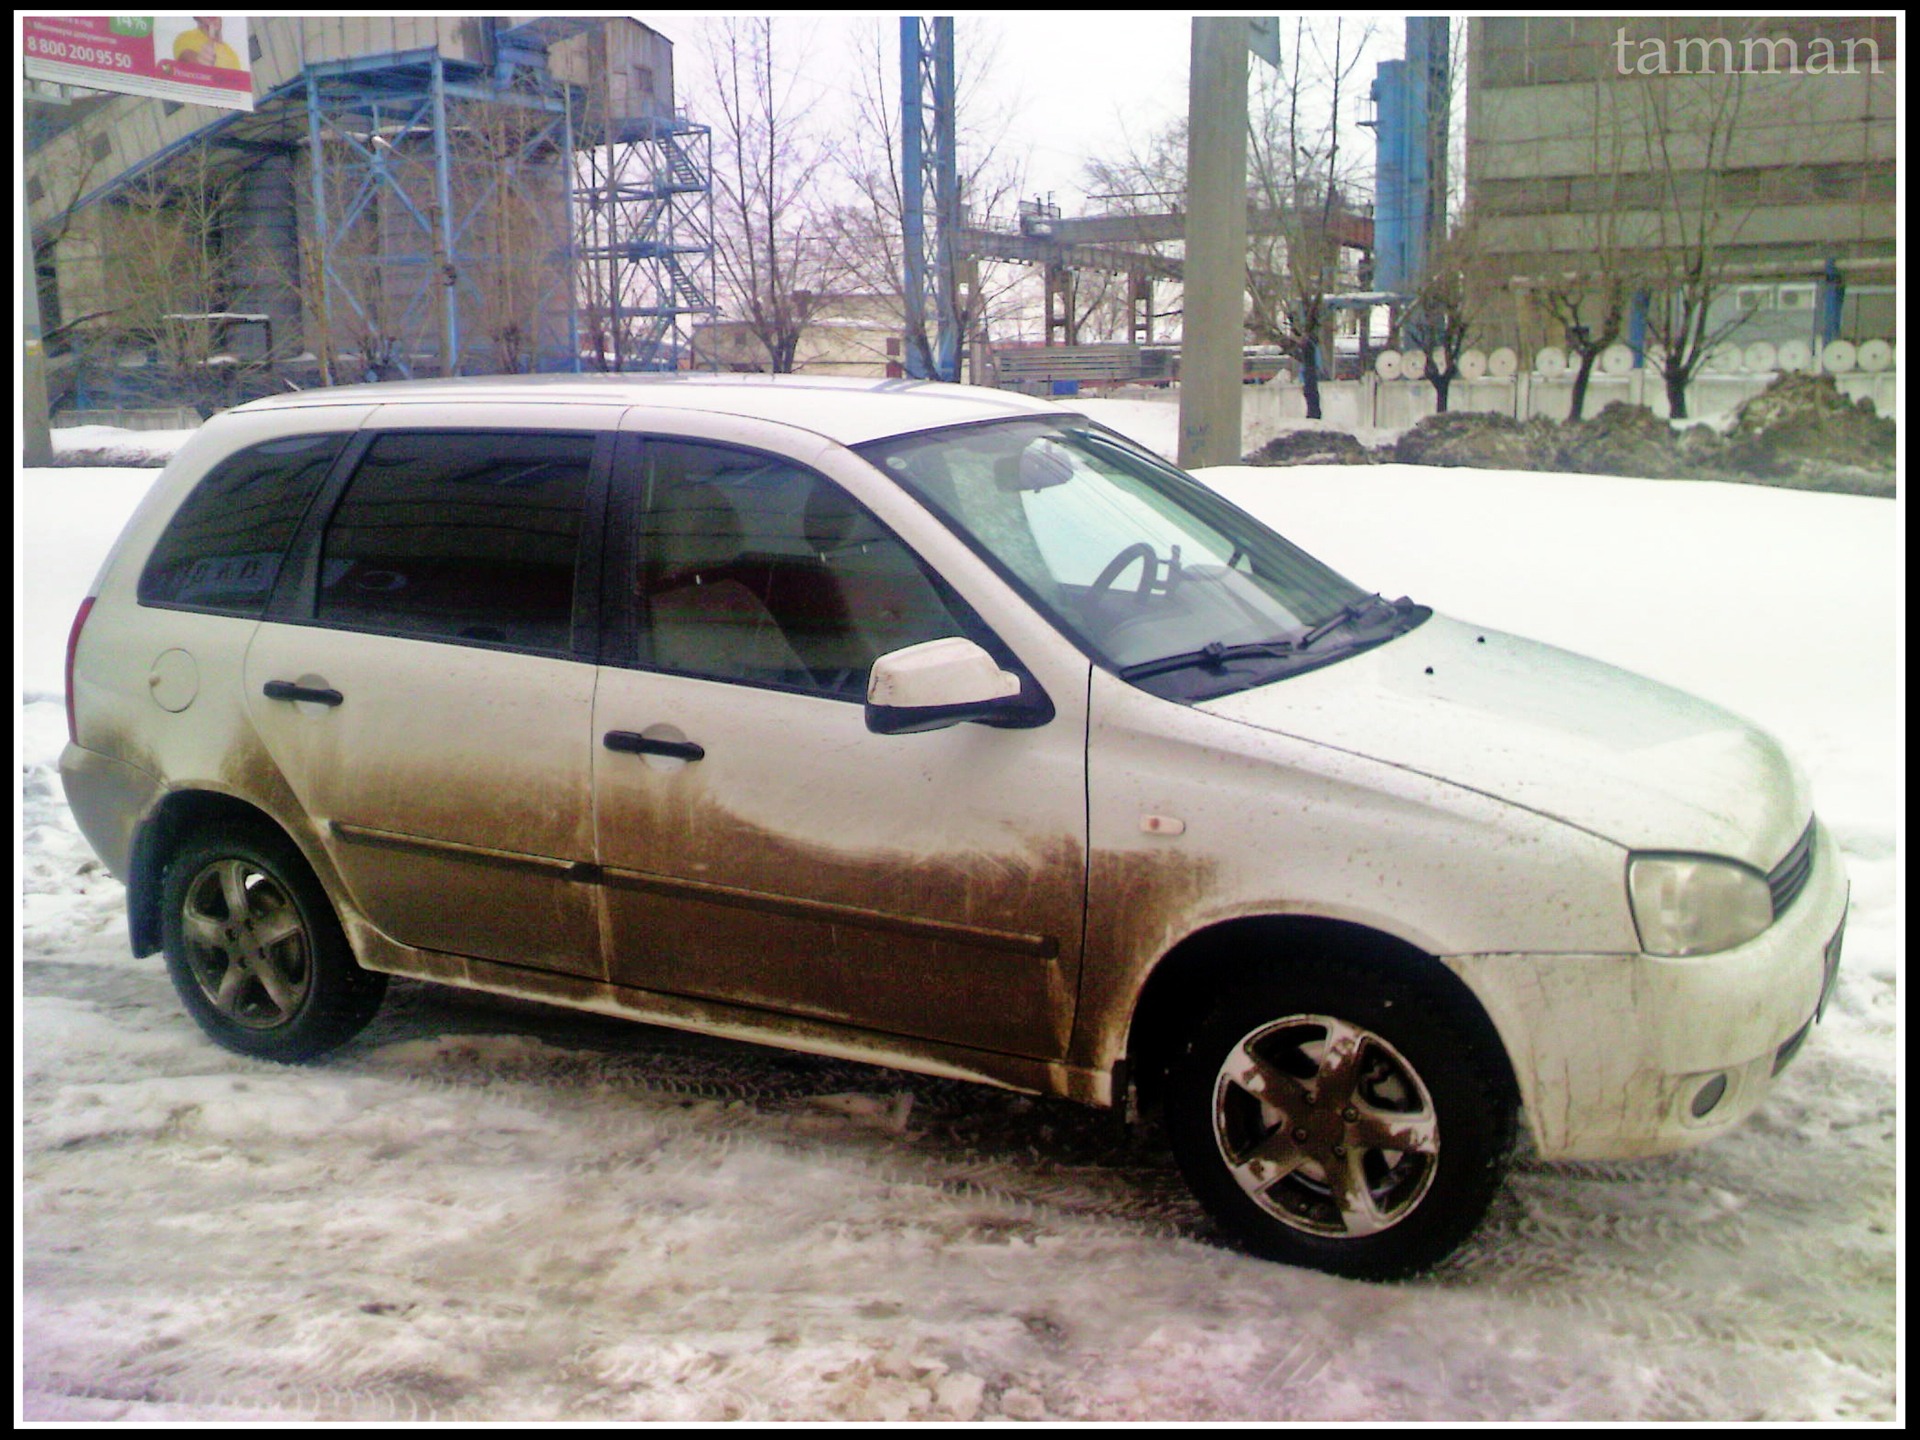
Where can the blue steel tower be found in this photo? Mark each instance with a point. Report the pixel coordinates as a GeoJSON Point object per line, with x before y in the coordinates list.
{"type": "Point", "coordinates": [927, 162]}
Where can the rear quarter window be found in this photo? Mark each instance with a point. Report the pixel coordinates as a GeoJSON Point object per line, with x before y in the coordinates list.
{"type": "Point", "coordinates": [222, 550]}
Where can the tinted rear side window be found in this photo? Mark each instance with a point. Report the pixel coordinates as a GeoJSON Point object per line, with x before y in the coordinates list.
{"type": "Point", "coordinates": [460, 536]}
{"type": "Point", "coordinates": [221, 551]}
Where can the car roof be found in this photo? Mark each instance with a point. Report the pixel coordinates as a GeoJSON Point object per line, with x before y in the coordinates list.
{"type": "Point", "coordinates": [845, 409]}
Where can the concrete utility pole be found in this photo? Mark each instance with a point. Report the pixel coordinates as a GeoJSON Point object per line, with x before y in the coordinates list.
{"type": "Point", "coordinates": [1211, 333]}
{"type": "Point", "coordinates": [37, 447]}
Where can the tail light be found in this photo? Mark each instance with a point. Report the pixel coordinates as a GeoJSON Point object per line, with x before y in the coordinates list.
{"type": "Point", "coordinates": [73, 644]}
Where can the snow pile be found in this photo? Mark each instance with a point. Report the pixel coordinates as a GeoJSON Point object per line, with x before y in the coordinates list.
{"type": "Point", "coordinates": [492, 1210]}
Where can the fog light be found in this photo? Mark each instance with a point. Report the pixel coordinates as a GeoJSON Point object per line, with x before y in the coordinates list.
{"type": "Point", "coordinates": [1709, 1096]}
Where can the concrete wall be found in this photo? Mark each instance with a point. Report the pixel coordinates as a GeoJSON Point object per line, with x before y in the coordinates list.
{"type": "Point", "coordinates": [1389, 406]}
{"type": "Point", "coordinates": [1376, 404]}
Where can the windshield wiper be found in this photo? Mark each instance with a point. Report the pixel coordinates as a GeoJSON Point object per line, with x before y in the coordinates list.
{"type": "Point", "coordinates": [1213, 655]}
{"type": "Point", "coordinates": [1351, 613]}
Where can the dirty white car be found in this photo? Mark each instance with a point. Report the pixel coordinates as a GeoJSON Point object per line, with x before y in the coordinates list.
{"type": "Point", "coordinates": [945, 729]}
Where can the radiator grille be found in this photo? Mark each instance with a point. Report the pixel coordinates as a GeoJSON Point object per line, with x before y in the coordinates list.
{"type": "Point", "coordinates": [1790, 876]}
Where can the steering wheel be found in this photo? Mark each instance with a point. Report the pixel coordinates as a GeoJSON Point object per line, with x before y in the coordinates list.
{"type": "Point", "coordinates": [1150, 564]}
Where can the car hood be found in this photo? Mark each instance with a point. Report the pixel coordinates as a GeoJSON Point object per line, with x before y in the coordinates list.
{"type": "Point", "coordinates": [1627, 758]}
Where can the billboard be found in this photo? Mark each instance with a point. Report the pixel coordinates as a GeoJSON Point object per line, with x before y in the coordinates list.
{"type": "Point", "coordinates": [194, 59]}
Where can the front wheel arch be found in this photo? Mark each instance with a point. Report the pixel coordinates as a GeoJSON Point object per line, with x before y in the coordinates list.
{"type": "Point", "coordinates": [1189, 979]}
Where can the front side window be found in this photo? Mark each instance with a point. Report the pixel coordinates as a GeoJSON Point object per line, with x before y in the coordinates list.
{"type": "Point", "coordinates": [466, 536]}
{"type": "Point", "coordinates": [221, 552]}
{"type": "Point", "coordinates": [751, 568]}
{"type": "Point", "coordinates": [1149, 571]}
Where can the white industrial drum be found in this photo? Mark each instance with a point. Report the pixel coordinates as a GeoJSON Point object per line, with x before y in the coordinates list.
{"type": "Point", "coordinates": [1616, 360]}
{"type": "Point", "coordinates": [1473, 364]}
{"type": "Point", "coordinates": [1838, 357]}
{"type": "Point", "coordinates": [1875, 355]}
{"type": "Point", "coordinates": [1387, 365]}
{"type": "Point", "coordinates": [1503, 362]}
{"type": "Point", "coordinates": [1550, 360]}
{"type": "Point", "coordinates": [1760, 357]}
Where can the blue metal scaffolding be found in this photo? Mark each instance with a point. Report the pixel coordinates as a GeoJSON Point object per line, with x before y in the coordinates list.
{"type": "Point", "coordinates": [399, 261]}
{"type": "Point", "coordinates": [463, 207]}
{"type": "Point", "coordinates": [644, 238]}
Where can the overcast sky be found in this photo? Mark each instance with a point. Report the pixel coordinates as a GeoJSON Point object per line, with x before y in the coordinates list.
{"type": "Point", "coordinates": [1077, 83]}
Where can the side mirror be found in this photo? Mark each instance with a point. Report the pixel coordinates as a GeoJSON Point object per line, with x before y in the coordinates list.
{"type": "Point", "coordinates": [940, 683]}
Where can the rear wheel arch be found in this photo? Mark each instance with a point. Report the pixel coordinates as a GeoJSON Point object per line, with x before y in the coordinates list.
{"type": "Point", "coordinates": [178, 815]}
{"type": "Point", "coordinates": [254, 945]}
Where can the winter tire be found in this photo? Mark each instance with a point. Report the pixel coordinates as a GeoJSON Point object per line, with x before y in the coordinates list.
{"type": "Point", "coordinates": [1343, 1122]}
{"type": "Point", "coordinates": [255, 950]}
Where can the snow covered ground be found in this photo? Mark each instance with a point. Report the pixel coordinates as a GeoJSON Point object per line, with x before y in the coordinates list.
{"type": "Point", "coordinates": [491, 1210]}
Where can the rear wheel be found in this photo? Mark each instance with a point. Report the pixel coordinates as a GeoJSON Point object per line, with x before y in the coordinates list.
{"type": "Point", "coordinates": [255, 950]}
{"type": "Point", "coordinates": [1342, 1121]}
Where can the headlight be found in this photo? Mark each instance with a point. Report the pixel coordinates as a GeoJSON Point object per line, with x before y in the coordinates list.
{"type": "Point", "coordinates": [1690, 905]}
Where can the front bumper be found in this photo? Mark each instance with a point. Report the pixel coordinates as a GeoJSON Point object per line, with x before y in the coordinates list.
{"type": "Point", "coordinates": [1629, 1055]}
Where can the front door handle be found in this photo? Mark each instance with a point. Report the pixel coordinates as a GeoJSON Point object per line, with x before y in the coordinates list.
{"type": "Point", "coordinates": [287, 690]}
{"type": "Point", "coordinates": [633, 744]}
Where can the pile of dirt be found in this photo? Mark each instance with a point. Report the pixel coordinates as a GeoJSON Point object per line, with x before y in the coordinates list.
{"type": "Point", "coordinates": [1800, 432]}
{"type": "Point", "coordinates": [1802, 420]}
{"type": "Point", "coordinates": [1622, 439]}
{"type": "Point", "coordinates": [116, 457]}
{"type": "Point", "coordinates": [1479, 439]}
{"type": "Point", "coordinates": [1312, 447]}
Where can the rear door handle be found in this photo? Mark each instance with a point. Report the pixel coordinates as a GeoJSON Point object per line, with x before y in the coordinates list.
{"type": "Point", "coordinates": [632, 744]}
{"type": "Point", "coordinates": [287, 690]}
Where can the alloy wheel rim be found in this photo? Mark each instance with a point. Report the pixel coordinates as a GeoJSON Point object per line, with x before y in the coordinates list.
{"type": "Point", "coordinates": [1325, 1126]}
{"type": "Point", "coordinates": [246, 944]}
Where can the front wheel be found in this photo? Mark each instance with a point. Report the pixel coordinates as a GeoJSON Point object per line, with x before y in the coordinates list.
{"type": "Point", "coordinates": [1342, 1122]}
{"type": "Point", "coordinates": [255, 951]}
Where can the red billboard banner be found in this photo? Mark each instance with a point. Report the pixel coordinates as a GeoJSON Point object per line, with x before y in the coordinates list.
{"type": "Point", "coordinates": [195, 59]}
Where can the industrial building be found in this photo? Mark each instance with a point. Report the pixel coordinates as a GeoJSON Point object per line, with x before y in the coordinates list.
{"type": "Point", "coordinates": [1599, 142]}
{"type": "Point", "coordinates": [409, 196]}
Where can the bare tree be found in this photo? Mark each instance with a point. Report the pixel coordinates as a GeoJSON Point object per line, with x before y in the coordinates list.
{"type": "Point", "coordinates": [167, 277]}
{"type": "Point", "coordinates": [1590, 308]}
{"type": "Point", "coordinates": [1688, 131]}
{"type": "Point", "coordinates": [1447, 307]}
{"type": "Point", "coordinates": [1588, 304]}
{"type": "Point", "coordinates": [774, 248]}
{"type": "Point", "coordinates": [1296, 171]}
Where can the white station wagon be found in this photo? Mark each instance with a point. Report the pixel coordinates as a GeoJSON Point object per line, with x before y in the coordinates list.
{"type": "Point", "coordinates": [941, 728]}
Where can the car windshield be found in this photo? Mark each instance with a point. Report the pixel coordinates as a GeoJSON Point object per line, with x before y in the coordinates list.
{"type": "Point", "coordinates": [1150, 572]}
